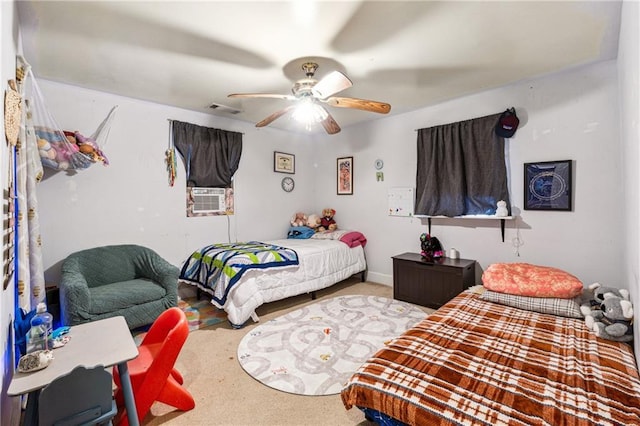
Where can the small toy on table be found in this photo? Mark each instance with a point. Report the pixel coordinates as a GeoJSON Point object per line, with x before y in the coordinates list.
{"type": "Point", "coordinates": [35, 361]}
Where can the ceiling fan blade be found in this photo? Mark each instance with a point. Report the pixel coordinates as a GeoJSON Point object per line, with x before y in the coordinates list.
{"type": "Point", "coordinates": [330, 124]}
{"type": "Point", "coordinates": [331, 84]}
{"type": "Point", "coordinates": [274, 117]}
{"type": "Point", "coordinates": [261, 95]}
{"type": "Point", "coordinates": [363, 104]}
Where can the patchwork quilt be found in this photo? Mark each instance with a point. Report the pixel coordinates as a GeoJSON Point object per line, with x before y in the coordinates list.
{"type": "Point", "coordinates": [218, 267]}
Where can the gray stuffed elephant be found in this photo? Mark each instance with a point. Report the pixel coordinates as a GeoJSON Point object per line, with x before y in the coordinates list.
{"type": "Point", "coordinates": [614, 321]}
{"type": "Point", "coordinates": [599, 293]}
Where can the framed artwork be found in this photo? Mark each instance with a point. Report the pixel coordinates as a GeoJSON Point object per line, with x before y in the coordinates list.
{"type": "Point", "coordinates": [547, 185]}
{"type": "Point", "coordinates": [344, 176]}
{"type": "Point", "coordinates": [284, 163]}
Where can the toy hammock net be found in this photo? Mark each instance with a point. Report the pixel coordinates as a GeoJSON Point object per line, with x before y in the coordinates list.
{"type": "Point", "coordinates": [62, 149]}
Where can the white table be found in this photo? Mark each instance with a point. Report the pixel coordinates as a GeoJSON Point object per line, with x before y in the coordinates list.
{"type": "Point", "coordinates": [104, 343]}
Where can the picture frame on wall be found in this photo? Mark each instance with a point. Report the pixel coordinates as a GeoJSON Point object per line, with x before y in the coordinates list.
{"type": "Point", "coordinates": [284, 163]}
{"type": "Point", "coordinates": [344, 176]}
{"type": "Point", "coordinates": [548, 185]}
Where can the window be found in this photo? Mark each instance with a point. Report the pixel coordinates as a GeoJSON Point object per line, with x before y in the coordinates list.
{"type": "Point", "coordinates": [461, 169]}
{"type": "Point", "coordinates": [211, 158]}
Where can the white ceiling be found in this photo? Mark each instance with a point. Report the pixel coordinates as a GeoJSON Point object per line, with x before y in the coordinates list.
{"type": "Point", "coordinates": [409, 54]}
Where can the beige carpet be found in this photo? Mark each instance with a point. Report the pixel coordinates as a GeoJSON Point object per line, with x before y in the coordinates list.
{"type": "Point", "coordinates": [226, 395]}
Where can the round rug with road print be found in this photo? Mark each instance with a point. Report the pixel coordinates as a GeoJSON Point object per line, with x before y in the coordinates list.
{"type": "Point", "coordinates": [315, 349]}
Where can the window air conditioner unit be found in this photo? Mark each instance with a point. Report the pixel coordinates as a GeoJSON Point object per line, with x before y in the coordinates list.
{"type": "Point", "coordinates": [208, 200]}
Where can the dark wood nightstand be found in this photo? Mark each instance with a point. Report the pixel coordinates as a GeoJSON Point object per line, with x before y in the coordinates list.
{"type": "Point", "coordinates": [430, 284]}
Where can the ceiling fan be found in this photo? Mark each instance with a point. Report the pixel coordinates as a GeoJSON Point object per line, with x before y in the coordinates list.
{"type": "Point", "coordinates": [310, 93]}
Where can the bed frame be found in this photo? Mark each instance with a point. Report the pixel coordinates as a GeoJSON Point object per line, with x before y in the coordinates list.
{"type": "Point", "coordinates": [200, 294]}
{"type": "Point", "coordinates": [322, 263]}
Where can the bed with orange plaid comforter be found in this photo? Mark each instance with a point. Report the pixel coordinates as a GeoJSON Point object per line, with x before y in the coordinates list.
{"type": "Point", "coordinates": [480, 363]}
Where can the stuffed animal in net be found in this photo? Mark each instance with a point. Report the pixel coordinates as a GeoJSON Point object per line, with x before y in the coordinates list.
{"type": "Point", "coordinates": [430, 247]}
{"type": "Point", "coordinates": [614, 320]}
{"type": "Point", "coordinates": [327, 223]}
{"type": "Point", "coordinates": [313, 221]}
{"type": "Point", "coordinates": [299, 219]}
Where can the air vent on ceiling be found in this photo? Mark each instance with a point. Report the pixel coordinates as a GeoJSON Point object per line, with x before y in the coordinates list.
{"type": "Point", "coordinates": [224, 108]}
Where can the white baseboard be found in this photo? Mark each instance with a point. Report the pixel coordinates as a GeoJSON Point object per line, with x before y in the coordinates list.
{"type": "Point", "coordinates": [379, 278]}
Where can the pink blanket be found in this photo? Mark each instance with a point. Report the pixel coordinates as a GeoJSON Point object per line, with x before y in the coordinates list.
{"type": "Point", "coordinates": [350, 238]}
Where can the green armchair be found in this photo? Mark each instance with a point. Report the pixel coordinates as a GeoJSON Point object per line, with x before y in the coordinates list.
{"type": "Point", "coordinates": [128, 280]}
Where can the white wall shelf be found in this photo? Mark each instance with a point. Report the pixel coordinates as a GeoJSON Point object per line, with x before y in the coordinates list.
{"type": "Point", "coordinates": [502, 220]}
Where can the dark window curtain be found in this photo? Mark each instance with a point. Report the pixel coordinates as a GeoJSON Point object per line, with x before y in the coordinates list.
{"type": "Point", "coordinates": [211, 156]}
{"type": "Point", "coordinates": [461, 169]}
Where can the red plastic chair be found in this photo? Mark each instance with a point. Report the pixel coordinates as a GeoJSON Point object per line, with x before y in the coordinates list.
{"type": "Point", "coordinates": [153, 376]}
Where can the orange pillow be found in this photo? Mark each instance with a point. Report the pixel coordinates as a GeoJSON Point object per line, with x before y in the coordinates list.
{"type": "Point", "coordinates": [523, 279]}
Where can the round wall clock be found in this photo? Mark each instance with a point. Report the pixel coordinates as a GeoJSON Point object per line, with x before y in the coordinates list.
{"type": "Point", "coordinates": [379, 164]}
{"type": "Point", "coordinates": [288, 184]}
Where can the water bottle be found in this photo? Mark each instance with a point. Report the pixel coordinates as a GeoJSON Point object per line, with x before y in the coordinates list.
{"type": "Point", "coordinates": [39, 334]}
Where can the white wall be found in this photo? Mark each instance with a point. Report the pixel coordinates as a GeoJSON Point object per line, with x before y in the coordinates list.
{"type": "Point", "coordinates": [130, 201]}
{"type": "Point", "coordinates": [628, 72]}
{"type": "Point", "coordinates": [573, 115]}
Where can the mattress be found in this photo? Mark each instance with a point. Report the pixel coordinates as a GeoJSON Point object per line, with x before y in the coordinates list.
{"type": "Point", "coordinates": [480, 363]}
{"type": "Point", "coordinates": [322, 263]}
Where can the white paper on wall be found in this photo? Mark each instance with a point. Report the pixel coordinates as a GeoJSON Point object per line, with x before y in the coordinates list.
{"type": "Point", "coordinates": [401, 200]}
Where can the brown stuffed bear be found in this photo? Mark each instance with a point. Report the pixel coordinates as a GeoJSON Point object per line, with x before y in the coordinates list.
{"type": "Point", "coordinates": [327, 223]}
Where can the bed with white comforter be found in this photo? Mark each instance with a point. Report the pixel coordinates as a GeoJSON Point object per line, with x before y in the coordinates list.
{"type": "Point", "coordinates": [321, 263]}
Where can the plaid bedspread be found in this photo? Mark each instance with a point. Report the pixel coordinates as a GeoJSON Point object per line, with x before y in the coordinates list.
{"type": "Point", "coordinates": [218, 267]}
{"type": "Point", "coordinates": [480, 363]}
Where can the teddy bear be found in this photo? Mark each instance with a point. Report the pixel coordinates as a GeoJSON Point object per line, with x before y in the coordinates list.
{"type": "Point", "coordinates": [327, 223]}
{"type": "Point", "coordinates": [313, 221]}
{"type": "Point", "coordinates": [502, 211]}
{"type": "Point", "coordinates": [614, 321]}
{"type": "Point", "coordinates": [299, 219]}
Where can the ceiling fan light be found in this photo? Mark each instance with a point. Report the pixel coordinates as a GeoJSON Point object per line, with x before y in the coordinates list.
{"type": "Point", "coordinates": [308, 112]}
